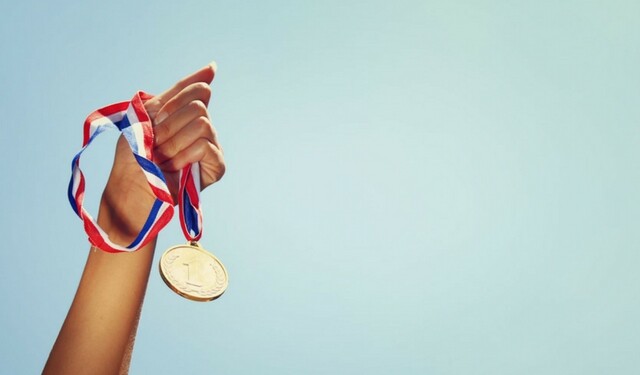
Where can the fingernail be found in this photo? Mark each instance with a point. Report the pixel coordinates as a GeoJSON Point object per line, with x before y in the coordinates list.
{"type": "Point", "coordinates": [160, 117]}
{"type": "Point", "coordinates": [214, 66]}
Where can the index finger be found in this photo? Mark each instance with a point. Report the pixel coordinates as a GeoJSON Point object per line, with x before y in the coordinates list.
{"type": "Point", "coordinates": [204, 74]}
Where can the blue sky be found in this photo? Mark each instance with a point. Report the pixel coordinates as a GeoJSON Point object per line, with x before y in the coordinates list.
{"type": "Point", "coordinates": [413, 187]}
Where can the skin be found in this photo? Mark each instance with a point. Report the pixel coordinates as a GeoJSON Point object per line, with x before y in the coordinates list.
{"type": "Point", "coordinates": [98, 333]}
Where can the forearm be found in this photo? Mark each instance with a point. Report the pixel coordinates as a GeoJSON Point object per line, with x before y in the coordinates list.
{"type": "Point", "coordinates": [128, 351]}
{"type": "Point", "coordinates": [103, 315]}
{"type": "Point", "coordinates": [101, 322]}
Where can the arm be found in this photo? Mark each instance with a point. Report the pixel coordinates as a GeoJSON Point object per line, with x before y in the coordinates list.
{"type": "Point", "coordinates": [102, 320]}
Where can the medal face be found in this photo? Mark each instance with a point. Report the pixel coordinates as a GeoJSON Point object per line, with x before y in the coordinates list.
{"type": "Point", "coordinates": [193, 273]}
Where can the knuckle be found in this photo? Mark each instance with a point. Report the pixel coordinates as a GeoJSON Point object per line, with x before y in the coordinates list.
{"type": "Point", "coordinates": [198, 107]}
{"type": "Point", "coordinates": [203, 90]}
{"type": "Point", "coordinates": [203, 121]}
{"type": "Point", "coordinates": [201, 87]}
{"type": "Point", "coordinates": [158, 155]}
{"type": "Point", "coordinates": [159, 134]}
{"type": "Point", "coordinates": [202, 147]}
{"type": "Point", "coordinates": [203, 126]}
{"type": "Point", "coordinates": [152, 105]}
{"type": "Point", "coordinates": [172, 165]}
{"type": "Point", "coordinates": [168, 148]}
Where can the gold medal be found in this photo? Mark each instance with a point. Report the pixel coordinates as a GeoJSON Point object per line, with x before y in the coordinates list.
{"type": "Point", "coordinates": [193, 273]}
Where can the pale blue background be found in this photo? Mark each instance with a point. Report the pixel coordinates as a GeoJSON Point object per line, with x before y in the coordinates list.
{"type": "Point", "coordinates": [413, 187]}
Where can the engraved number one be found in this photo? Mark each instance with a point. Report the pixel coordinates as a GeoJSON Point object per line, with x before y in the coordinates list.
{"type": "Point", "coordinates": [189, 276]}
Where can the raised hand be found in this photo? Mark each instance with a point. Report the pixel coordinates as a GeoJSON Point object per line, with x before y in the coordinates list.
{"type": "Point", "coordinates": [97, 335]}
{"type": "Point", "coordinates": [183, 130]}
{"type": "Point", "coordinates": [183, 134]}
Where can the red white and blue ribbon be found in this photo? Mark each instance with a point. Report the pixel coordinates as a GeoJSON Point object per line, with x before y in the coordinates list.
{"type": "Point", "coordinates": [189, 202]}
{"type": "Point", "coordinates": [133, 121]}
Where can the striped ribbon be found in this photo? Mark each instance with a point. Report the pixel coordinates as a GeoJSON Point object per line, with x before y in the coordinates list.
{"type": "Point", "coordinates": [189, 202]}
{"type": "Point", "coordinates": [133, 121]}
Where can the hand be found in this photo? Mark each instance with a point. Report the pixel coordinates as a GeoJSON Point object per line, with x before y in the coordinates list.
{"type": "Point", "coordinates": [183, 130]}
{"type": "Point", "coordinates": [183, 135]}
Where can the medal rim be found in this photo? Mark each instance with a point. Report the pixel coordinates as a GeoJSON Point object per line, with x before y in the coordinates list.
{"type": "Point", "coordinates": [186, 295]}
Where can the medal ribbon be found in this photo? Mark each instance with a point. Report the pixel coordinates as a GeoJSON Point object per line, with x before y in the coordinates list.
{"type": "Point", "coordinates": [132, 119]}
{"type": "Point", "coordinates": [189, 202]}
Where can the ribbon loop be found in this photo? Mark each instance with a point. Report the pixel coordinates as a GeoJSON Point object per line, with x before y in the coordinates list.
{"type": "Point", "coordinates": [133, 121]}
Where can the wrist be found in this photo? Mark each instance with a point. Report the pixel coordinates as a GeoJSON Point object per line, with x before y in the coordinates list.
{"type": "Point", "coordinates": [122, 216]}
{"type": "Point", "coordinates": [115, 224]}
